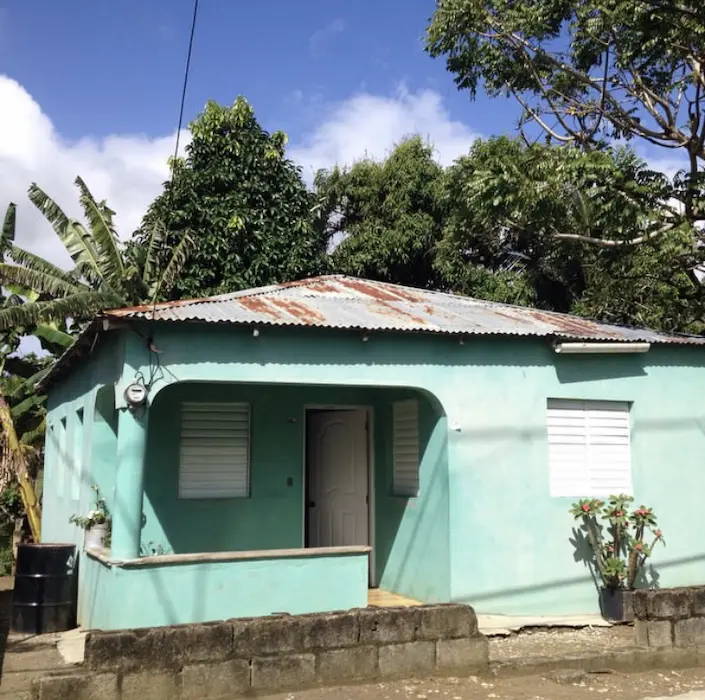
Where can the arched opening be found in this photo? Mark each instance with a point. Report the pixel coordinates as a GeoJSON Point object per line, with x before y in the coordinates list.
{"type": "Point", "coordinates": [321, 466]}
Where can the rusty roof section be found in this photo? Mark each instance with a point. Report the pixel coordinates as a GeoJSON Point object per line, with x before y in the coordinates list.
{"type": "Point", "coordinates": [341, 302]}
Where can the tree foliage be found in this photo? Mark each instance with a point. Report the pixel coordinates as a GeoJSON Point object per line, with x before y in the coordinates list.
{"type": "Point", "coordinates": [250, 211]}
{"type": "Point", "coordinates": [525, 212]}
{"type": "Point", "coordinates": [592, 71]}
{"type": "Point", "coordinates": [103, 276]}
{"type": "Point", "coordinates": [389, 215]}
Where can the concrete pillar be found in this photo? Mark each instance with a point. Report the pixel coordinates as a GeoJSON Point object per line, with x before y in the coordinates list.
{"type": "Point", "coordinates": [129, 483]}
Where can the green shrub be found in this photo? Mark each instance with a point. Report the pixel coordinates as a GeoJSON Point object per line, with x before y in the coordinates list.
{"type": "Point", "coordinates": [6, 561]}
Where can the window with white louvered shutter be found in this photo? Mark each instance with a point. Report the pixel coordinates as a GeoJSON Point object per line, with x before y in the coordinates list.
{"type": "Point", "coordinates": [406, 448]}
{"type": "Point", "coordinates": [214, 459]}
{"type": "Point", "coordinates": [589, 448]}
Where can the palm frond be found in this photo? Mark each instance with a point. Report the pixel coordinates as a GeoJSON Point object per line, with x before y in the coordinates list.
{"type": "Point", "coordinates": [15, 296]}
{"type": "Point", "coordinates": [105, 237]}
{"type": "Point", "coordinates": [175, 265]}
{"type": "Point", "coordinates": [81, 305]}
{"type": "Point", "coordinates": [72, 234]}
{"type": "Point", "coordinates": [42, 282]}
{"type": "Point", "coordinates": [30, 383]}
{"type": "Point", "coordinates": [8, 226]}
{"type": "Point", "coordinates": [31, 436]}
{"type": "Point", "coordinates": [85, 271]}
{"type": "Point", "coordinates": [22, 374]}
{"type": "Point", "coordinates": [27, 404]}
{"type": "Point", "coordinates": [36, 262]}
{"type": "Point", "coordinates": [53, 335]}
{"type": "Point", "coordinates": [157, 234]}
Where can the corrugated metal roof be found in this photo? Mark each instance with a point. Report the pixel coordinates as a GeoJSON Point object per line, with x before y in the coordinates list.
{"type": "Point", "coordinates": [351, 303]}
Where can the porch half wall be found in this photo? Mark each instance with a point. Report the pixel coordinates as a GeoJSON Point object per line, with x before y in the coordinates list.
{"type": "Point", "coordinates": [171, 590]}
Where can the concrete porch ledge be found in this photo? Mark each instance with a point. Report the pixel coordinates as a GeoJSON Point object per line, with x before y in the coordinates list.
{"type": "Point", "coordinates": [103, 556]}
{"type": "Point", "coordinates": [504, 625]}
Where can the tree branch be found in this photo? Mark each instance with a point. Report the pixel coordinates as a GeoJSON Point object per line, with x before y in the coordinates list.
{"type": "Point", "coordinates": [613, 243]}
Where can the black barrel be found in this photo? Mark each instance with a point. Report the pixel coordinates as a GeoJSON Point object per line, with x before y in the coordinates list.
{"type": "Point", "coordinates": [44, 599]}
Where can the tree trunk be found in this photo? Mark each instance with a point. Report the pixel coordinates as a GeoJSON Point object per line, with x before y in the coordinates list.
{"type": "Point", "coordinates": [13, 460]}
{"type": "Point", "coordinates": [16, 541]}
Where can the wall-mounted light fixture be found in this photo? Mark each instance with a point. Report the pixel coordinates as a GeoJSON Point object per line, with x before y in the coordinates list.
{"type": "Point", "coordinates": [601, 348]}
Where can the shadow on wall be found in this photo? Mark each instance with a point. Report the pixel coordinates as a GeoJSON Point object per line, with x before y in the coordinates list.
{"type": "Point", "coordinates": [413, 542]}
{"type": "Point", "coordinates": [648, 576]}
{"type": "Point", "coordinates": [590, 369]}
{"type": "Point", "coordinates": [558, 584]}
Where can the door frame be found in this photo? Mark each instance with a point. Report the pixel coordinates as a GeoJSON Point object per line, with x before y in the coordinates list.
{"type": "Point", "coordinates": [371, 533]}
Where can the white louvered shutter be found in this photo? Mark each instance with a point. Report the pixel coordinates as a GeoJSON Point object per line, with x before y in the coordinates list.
{"type": "Point", "coordinates": [214, 450]}
{"type": "Point", "coordinates": [589, 448]}
{"type": "Point", "coordinates": [406, 448]}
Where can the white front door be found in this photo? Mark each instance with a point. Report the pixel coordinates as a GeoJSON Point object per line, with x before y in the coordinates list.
{"type": "Point", "coordinates": [337, 478]}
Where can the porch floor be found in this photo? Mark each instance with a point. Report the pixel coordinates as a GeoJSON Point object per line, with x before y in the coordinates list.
{"type": "Point", "coordinates": [378, 598]}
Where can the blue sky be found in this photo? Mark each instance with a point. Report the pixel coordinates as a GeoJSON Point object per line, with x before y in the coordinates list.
{"type": "Point", "coordinates": [99, 68]}
{"type": "Point", "coordinates": [92, 88]}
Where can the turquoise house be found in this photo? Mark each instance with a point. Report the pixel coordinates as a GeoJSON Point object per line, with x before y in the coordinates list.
{"type": "Point", "coordinates": [284, 449]}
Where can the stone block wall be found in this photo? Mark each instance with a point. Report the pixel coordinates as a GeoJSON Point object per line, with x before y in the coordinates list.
{"type": "Point", "coordinates": [670, 617]}
{"type": "Point", "coordinates": [268, 654]}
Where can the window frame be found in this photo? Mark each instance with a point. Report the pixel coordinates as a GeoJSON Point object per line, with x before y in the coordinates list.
{"type": "Point", "coordinates": [586, 483]}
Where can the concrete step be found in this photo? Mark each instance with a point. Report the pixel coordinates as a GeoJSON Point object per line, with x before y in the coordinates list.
{"type": "Point", "coordinates": [41, 659]}
{"type": "Point", "coordinates": [14, 684]}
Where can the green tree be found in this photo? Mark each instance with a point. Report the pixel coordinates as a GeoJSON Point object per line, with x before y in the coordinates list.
{"type": "Point", "coordinates": [585, 72]}
{"type": "Point", "coordinates": [523, 212]}
{"type": "Point", "coordinates": [103, 275]}
{"type": "Point", "coordinates": [23, 412]}
{"type": "Point", "coordinates": [251, 213]}
{"type": "Point", "coordinates": [389, 215]}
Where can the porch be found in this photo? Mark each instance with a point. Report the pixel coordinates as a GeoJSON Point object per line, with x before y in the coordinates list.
{"type": "Point", "coordinates": [264, 499]}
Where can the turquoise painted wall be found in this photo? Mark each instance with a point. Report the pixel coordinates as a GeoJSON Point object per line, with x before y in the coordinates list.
{"type": "Point", "coordinates": [485, 530]}
{"type": "Point", "coordinates": [125, 598]}
{"type": "Point", "coordinates": [76, 456]}
{"type": "Point", "coordinates": [412, 534]}
{"type": "Point", "coordinates": [273, 516]}
{"type": "Point", "coordinates": [510, 541]}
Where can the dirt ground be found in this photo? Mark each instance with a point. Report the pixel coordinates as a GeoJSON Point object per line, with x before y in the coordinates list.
{"type": "Point", "coordinates": [563, 686]}
{"type": "Point", "coordinates": [560, 685]}
{"type": "Point", "coordinates": [560, 642]}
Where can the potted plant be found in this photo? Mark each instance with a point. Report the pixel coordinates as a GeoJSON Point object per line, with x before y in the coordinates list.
{"type": "Point", "coordinates": [617, 539]}
{"type": "Point", "coordinates": [95, 524]}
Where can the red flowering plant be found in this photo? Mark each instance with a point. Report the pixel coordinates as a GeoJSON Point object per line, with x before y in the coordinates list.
{"type": "Point", "coordinates": [617, 537]}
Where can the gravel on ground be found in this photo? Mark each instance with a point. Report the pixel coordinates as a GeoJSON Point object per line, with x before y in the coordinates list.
{"type": "Point", "coordinates": [560, 642]}
{"type": "Point", "coordinates": [564, 685]}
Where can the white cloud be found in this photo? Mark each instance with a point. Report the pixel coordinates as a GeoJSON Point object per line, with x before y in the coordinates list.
{"type": "Point", "coordinates": [126, 170]}
{"type": "Point", "coordinates": [368, 125]}
{"type": "Point", "coordinates": [322, 36]}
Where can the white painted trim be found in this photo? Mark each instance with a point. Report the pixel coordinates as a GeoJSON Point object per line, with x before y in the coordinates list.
{"type": "Point", "coordinates": [371, 470]}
